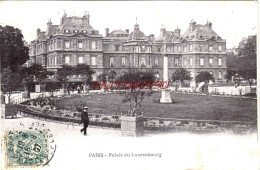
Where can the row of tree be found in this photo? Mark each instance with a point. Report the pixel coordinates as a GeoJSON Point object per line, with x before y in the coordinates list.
{"type": "Point", "coordinates": [24, 76]}
{"type": "Point", "coordinates": [243, 63]}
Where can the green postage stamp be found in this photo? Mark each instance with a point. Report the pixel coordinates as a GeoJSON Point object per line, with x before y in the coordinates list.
{"type": "Point", "coordinates": [27, 148]}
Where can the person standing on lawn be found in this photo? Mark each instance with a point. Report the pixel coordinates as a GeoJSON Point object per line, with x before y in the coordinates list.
{"type": "Point", "coordinates": [84, 120]}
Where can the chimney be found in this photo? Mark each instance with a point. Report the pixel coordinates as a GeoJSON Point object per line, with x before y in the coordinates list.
{"type": "Point", "coordinates": [38, 32]}
{"type": "Point", "coordinates": [209, 24]}
{"type": "Point", "coordinates": [88, 16]}
{"type": "Point", "coordinates": [162, 32]}
{"type": "Point", "coordinates": [107, 32]}
{"type": "Point", "coordinates": [192, 25]}
{"type": "Point", "coordinates": [63, 18]}
{"type": "Point", "coordinates": [177, 32]}
{"type": "Point", "coordinates": [127, 31]}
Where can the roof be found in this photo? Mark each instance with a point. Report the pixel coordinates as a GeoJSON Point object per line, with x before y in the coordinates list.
{"type": "Point", "coordinates": [116, 32]}
{"type": "Point", "coordinates": [75, 23]}
{"type": "Point", "coordinates": [52, 28]}
{"type": "Point", "coordinates": [136, 34]}
{"type": "Point", "coordinates": [200, 31]}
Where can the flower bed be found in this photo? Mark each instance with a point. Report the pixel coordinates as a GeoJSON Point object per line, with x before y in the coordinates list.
{"type": "Point", "coordinates": [69, 116]}
{"type": "Point", "coordinates": [200, 126]}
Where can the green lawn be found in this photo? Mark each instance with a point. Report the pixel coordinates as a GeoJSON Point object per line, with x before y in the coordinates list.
{"type": "Point", "coordinates": [186, 106]}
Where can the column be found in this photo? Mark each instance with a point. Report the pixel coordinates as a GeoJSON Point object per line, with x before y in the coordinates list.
{"type": "Point", "coordinates": [166, 97]}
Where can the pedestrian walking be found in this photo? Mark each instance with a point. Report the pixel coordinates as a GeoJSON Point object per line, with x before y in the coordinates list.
{"type": "Point", "coordinates": [84, 120]}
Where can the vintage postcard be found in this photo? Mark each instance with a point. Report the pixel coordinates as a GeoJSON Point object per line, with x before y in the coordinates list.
{"type": "Point", "coordinates": [129, 85]}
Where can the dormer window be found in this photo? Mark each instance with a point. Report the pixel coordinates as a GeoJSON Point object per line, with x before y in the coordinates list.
{"type": "Point", "coordinates": [75, 31]}
{"type": "Point", "coordinates": [66, 31]}
{"type": "Point", "coordinates": [84, 31]}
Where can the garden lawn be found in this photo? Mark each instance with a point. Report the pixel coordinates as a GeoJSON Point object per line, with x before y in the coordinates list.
{"type": "Point", "coordinates": [185, 106]}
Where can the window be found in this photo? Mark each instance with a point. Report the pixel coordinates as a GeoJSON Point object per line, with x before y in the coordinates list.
{"type": "Point", "coordinates": [143, 48]}
{"type": "Point", "coordinates": [185, 48]}
{"type": "Point", "coordinates": [143, 61]}
{"type": "Point", "coordinates": [157, 74]}
{"type": "Point", "coordinates": [211, 72]}
{"type": "Point", "coordinates": [179, 48]}
{"type": "Point", "coordinates": [117, 47]}
{"type": "Point", "coordinates": [190, 61]}
{"type": "Point", "coordinates": [219, 61]}
{"type": "Point", "coordinates": [149, 49]}
{"type": "Point", "coordinates": [219, 75]}
{"type": "Point", "coordinates": [123, 61]}
{"type": "Point", "coordinates": [67, 44]}
{"type": "Point", "coordinates": [66, 31]}
{"type": "Point", "coordinates": [55, 60]}
{"type": "Point", "coordinates": [201, 47]}
{"type": "Point", "coordinates": [150, 60]}
{"type": "Point", "coordinates": [52, 61]}
{"type": "Point", "coordinates": [219, 48]}
{"type": "Point", "coordinates": [210, 62]}
{"type": "Point", "coordinates": [137, 48]}
{"type": "Point", "coordinates": [185, 62]}
{"type": "Point", "coordinates": [210, 48]}
{"type": "Point", "coordinates": [190, 47]}
{"type": "Point", "coordinates": [201, 61]}
{"type": "Point", "coordinates": [176, 62]}
{"type": "Point", "coordinates": [168, 49]}
{"type": "Point", "coordinates": [93, 45]}
{"type": "Point", "coordinates": [80, 44]}
{"type": "Point", "coordinates": [93, 61]}
{"type": "Point", "coordinates": [80, 60]}
{"type": "Point", "coordinates": [159, 49]}
{"type": "Point", "coordinates": [156, 61]}
{"type": "Point", "coordinates": [111, 61]}
{"type": "Point", "coordinates": [67, 59]}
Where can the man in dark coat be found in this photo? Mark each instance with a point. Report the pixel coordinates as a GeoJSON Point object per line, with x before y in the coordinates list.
{"type": "Point", "coordinates": [84, 120]}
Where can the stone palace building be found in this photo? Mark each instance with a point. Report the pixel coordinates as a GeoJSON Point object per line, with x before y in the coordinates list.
{"type": "Point", "coordinates": [75, 41]}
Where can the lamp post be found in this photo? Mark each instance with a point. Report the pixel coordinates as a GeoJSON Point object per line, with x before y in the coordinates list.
{"type": "Point", "coordinates": [166, 97]}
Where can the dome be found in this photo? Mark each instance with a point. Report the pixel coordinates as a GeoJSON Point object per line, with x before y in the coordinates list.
{"type": "Point", "coordinates": [136, 34]}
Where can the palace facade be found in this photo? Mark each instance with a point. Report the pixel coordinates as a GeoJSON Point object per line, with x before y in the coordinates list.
{"type": "Point", "coordinates": [75, 41]}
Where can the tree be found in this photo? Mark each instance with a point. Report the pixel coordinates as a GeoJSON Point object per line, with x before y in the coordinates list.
{"type": "Point", "coordinates": [112, 74]}
{"type": "Point", "coordinates": [63, 73]}
{"type": "Point", "coordinates": [135, 95]}
{"type": "Point", "coordinates": [248, 49]}
{"type": "Point", "coordinates": [230, 74]}
{"type": "Point", "coordinates": [39, 73]}
{"type": "Point", "coordinates": [13, 52]}
{"type": "Point", "coordinates": [104, 76]}
{"type": "Point", "coordinates": [204, 76]}
{"type": "Point", "coordinates": [27, 77]}
{"type": "Point", "coordinates": [180, 75]}
{"type": "Point", "coordinates": [245, 64]}
{"type": "Point", "coordinates": [10, 81]}
{"type": "Point", "coordinates": [85, 71]}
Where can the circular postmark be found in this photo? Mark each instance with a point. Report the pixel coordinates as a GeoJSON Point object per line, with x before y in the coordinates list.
{"type": "Point", "coordinates": [28, 148]}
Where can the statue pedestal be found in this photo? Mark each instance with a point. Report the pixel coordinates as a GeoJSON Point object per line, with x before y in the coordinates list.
{"type": "Point", "coordinates": [166, 97]}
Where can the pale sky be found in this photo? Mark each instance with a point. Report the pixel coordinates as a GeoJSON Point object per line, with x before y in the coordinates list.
{"type": "Point", "coordinates": [231, 20]}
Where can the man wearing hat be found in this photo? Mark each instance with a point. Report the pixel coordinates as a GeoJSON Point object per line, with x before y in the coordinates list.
{"type": "Point", "coordinates": [84, 120]}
